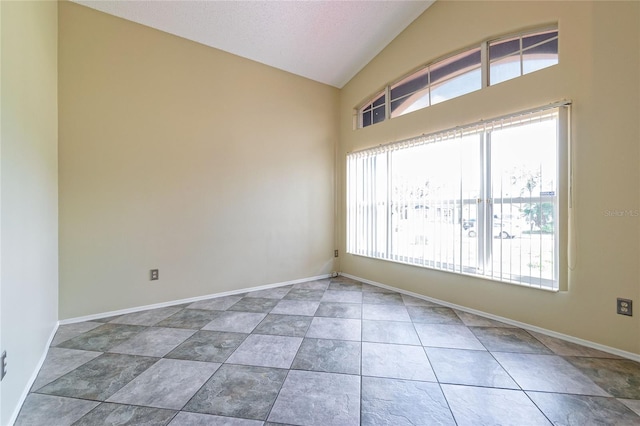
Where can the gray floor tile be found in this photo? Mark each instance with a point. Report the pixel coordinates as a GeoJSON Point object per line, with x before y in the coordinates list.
{"type": "Point", "coordinates": [334, 328]}
{"type": "Point", "coordinates": [150, 317]}
{"type": "Point", "coordinates": [344, 279]}
{"type": "Point", "coordinates": [254, 304]}
{"type": "Point", "coordinates": [181, 305]}
{"type": "Point", "coordinates": [403, 402]}
{"type": "Point", "coordinates": [509, 340]}
{"type": "Point", "coordinates": [429, 315]}
{"type": "Point", "coordinates": [633, 404]}
{"type": "Point", "coordinates": [296, 307]}
{"type": "Point", "coordinates": [382, 298]}
{"type": "Point", "coordinates": [107, 319]}
{"type": "Point", "coordinates": [580, 410]}
{"type": "Point", "coordinates": [69, 331]}
{"type": "Point", "coordinates": [209, 346]}
{"type": "Point", "coordinates": [108, 414]}
{"type": "Point", "coordinates": [60, 361]}
{"type": "Point", "coordinates": [216, 304]}
{"type": "Point", "coordinates": [195, 419]}
{"type": "Point", "coordinates": [385, 312]}
{"type": "Point", "coordinates": [465, 367]}
{"type": "Point", "coordinates": [154, 341]}
{"type": "Point", "coordinates": [284, 325]}
{"type": "Point", "coordinates": [448, 336]}
{"type": "Point", "coordinates": [239, 391]}
{"type": "Point", "coordinates": [345, 286]}
{"type": "Point", "coordinates": [402, 333]}
{"type": "Point", "coordinates": [619, 377]}
{"type": "Point", "coordinates": [266, 351]}
{"type": "Point", "coordinates": [370, 288]}
{"type": "Point", "coordinates": [169, 383]}
{"type": "Point", "coordinates": [99, 378]}
{"type": "Point", "coordinates": [322, 399]}
{"type": "Point", "coordinates": [396, 362]}
{"type": "Point", "coordinates": [564, 348]}
{"type": "Point", "coordinates": [193, 319]}
{"type": "Point", "coordinates": [330, 356]}
{"type": "Point", "coordinates": [237, 322]}
{"type": "Point", "coordinates": [547, 373]}
{"type": "Point", "coordinates": [103, 338]}
{"type": "Point", "coordinates": [341, 328]}
{"type": "Point", "coordinates": [270, 293]}
{"type": "Point", "coordinates": [339, 310]}
{"type": "Point", "coordinates": [305, 294]}
{"type": "Point", "coordinates": [41, 410]}
{"type": "Point", "coordinates": [312, 285]}
{"type": "Point", "coordinates": [414, 301]}
{"type": "Point", "coordinates": [473, 320]}
{"type": "Point", "coordinates": [475, 406]}
{"type": "Point", "coordinates": [341, 296]}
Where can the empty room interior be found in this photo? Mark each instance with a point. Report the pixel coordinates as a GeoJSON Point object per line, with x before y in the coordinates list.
{"type": "Point", "coordinates": [439, 224]}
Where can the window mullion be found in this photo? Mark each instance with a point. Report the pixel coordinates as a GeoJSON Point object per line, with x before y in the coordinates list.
{"type": "Point", "coordinates": [389, 228]}
{"type": "Point", "coordinates": [372, 207]}
{"type": "Point", "coordinates": [521, 58]}
{"type": "Point", "coordinates": [484, 64]}
{"type": "Point", "coordinates": [563, 246]}
{"type": "Point", "coordinates": [487, 206]}
{"type": "Point", "coordinates": [429, 87]}
{"type": "Point", "coordinates": [387, 102]}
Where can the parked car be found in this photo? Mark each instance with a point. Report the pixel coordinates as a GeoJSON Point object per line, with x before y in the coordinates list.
{"type": "Point", "coordinates": [468, 223]}
{"type": "Point", "coordinates": [501, 228]}
{"type": "Point", "coordinates": [506, 229]}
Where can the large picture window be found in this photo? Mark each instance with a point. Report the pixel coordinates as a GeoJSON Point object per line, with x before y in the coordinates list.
{"type": "Point", "coordinates": [488, 199]}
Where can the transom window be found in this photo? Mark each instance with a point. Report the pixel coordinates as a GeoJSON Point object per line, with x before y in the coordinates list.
{"type": "Point", "coordinates": [374, 111]}
{"type": "Point", "coordinates": [486, 199]}
{"type": "Point", "coordinates": [436, 83]}
{"type": "Point", "coordinates": [515, 56]}
{"type": "Point", "coordinates": [490, 63]}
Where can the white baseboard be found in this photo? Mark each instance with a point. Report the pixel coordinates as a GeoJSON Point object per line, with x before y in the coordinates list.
{"type": "Point", "coordinates": [33, 377]}
{"type": "Point", "coordinates": [572, 339]}
{"type": "Point", "coordinates": [188, 300]}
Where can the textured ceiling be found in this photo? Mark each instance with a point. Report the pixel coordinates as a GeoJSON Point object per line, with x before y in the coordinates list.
{"type": "Point", "coordinates": [326, 41]}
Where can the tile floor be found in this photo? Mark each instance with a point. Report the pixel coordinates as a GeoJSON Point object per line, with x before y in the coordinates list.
{"type": "Point", "coordinates": [329, 352]}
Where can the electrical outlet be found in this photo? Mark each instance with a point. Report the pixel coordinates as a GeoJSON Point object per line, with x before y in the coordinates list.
{"type": "Point", "coordinates": [3, 363]}
{"type": "Point", "coordinates": [335, 253]}
{"type": "Point", "coordinates": [155, 274]}
{"type": "Point", "coordinates": [624, 307]}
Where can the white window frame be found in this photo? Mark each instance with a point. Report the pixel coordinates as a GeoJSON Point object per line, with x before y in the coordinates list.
{"type": "Point", "coordinates": [366, 241]}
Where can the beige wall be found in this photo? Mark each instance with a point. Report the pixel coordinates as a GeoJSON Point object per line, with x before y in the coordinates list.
{"type": "Point", "coordinates": [599, 71]}
{"type": "Point", "coordinates": [29, 188]}
{"type": "Point", "coordinates": [217, 170]}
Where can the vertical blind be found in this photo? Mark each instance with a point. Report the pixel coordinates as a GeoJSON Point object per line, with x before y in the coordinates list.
{"type": "Point", "coordinates": [485, 199]}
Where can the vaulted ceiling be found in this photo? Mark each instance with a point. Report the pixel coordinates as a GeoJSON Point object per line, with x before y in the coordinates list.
{"type": "Point", "coordinates": [327, 41]}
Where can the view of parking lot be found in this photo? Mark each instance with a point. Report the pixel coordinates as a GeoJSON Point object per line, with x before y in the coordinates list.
{"type": "Point", "coordinates": [528, 256]}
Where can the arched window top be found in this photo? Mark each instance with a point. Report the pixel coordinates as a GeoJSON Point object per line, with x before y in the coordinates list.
{"type": "Point", "coordinates": [492, 62]}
